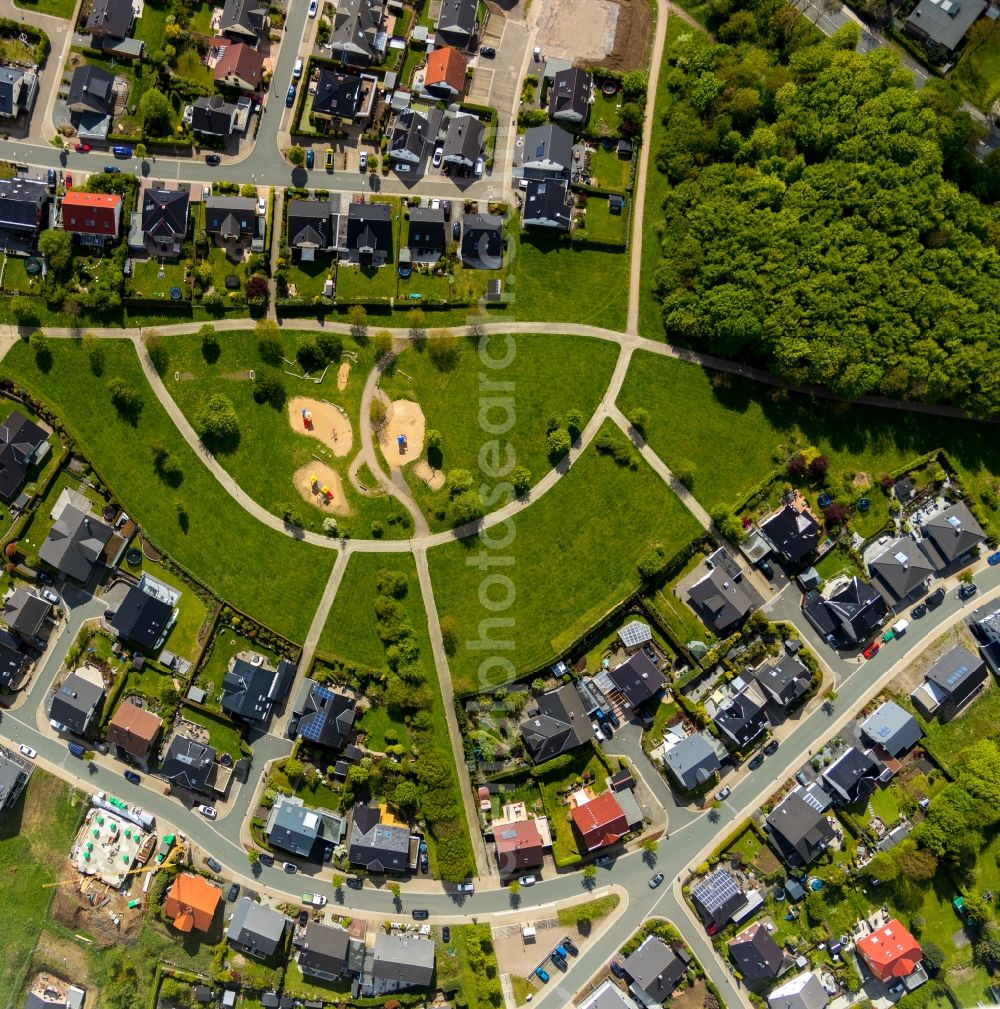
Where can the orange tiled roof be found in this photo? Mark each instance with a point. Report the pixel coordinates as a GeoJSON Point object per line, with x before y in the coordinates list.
{"type": "Point", "coordinates": [446, 66]}
{"type": "Point", "coordinates": [191, 903]}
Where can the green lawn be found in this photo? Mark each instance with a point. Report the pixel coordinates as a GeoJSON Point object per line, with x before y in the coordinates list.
{"type": "Point", "coordinates": [224, 736]}
{"type": "Point", "coordinates": [146, 279]}
{"type": "Point", "coordinates": [16, 278]}
{"type": "Point", "coordinates": [549, 376]}
{"type": "Point", "coordinates": [585, 764]}
{"type": "Point", "coordinates": [836, 562]}
{"type": "Point", "coordinates": [946, 740]}
{"type": "Point", "coordinates": [456, 971]}
{"type": "Point", "coordinates": [574, 557]}
{"type": "Point", "coordinates": [736, 432]}
{"type": "Point", "coordinates": [191, 951]}
{"type": "Point", "coordinates": [310, 278]}
{"type": "Point", "coordinates": [601, 224]}
{"type": "Point", "coordinates": [366, 282]}
{"type": "Point", "coordinates": [35, 835]}
{"type": "Point", "coordinates": [197, 523]}
{"type": "Point", "coordinates": [977, 73]}
{"type": "Point", "coordinates": [604, 112]}
{"type": "Point", "coordinates": [225, 645]}
{"type": "Point", "coordinates": [190, 67]}
{"type": "Point", "coordinates": [376, 722]}
{"type": "Point", "coordinates": [152, 26]}
{"type": "Point", "coordinates": [609, 169]}
{"type": "Point", "coordinates": [301, 987]}
{"type": "Point", "coordinates": [54, 8]}
{"type": "Point", "coordinates": [152, 683]}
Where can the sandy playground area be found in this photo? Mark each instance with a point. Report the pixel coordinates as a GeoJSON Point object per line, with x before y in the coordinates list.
{"type": "Point", "coordinates": [321, 486]}
{"type": "Point", "coordinates": [328, 424]}
{"type": "Point", "coordinates": [434, 478]}
{"type": "Point", "coordinates": [405, 420]}
{"type": "Point", "coordinates": [342, 374]}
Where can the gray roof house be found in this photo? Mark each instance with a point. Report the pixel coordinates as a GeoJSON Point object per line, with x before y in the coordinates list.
{"type": "Point", "coordinates": [719, 601]}
{"type": "Point", "coordinates": [91, 89]}
{"type": "Point", "coordinates": [692, 762]}
{"type": "Point", "coordinates": [857, 610]}
{"type": "Point", "coordinates": [785, 682]}
{"type": "Point", "coordinates": [14, 774]}
{"type": "Point", "coordinates": [654, 970]}
{"type": "Point", "coordinates": [358, 35]}
{"type": "Point", "coordinates": [377, 847]}
{"type": "Point", "coordinates": [560, 724]}
{"type": "Point", "coordinates": [463, 142]}
{"type": "Point", "coordinates": [756, 955]}
{"type": "Point", "coordinates": [188, 764]}
{"type": "Point", "coordinates": [255, 929]}
{"type": "Point", "coordinates": [413, 134]}
{"type": "Point", "coordinates": [944, 22]}
{"type": "Point", "coordinates": [245, 20]}
{"type": "Point", "coordinates": [792, 533]}
{"type": "Point", "coordinates": [805, 991]}
{"type": "Point", "coordinates": [853, 776]}
{"type": "Point", "coordinates": [901, 572]}
{"type": "Point", "coordinates": [13, 662]}
{"type": "Point", "coordinates": [637, 680]}
{"type": "Point", "coordinates": [324, 716]}
{"type": "Point", "coordinates": [548, 152]}
{"type": "Point", "coordinates": [110, 19]}
{"type": "Point", "coordinates": [337, 96]}
{"type": "Point", "coordinates": [323, 951]}
{"type": "Point", "coordinates": [369, 234]}
{"type": "Point", "coordinates": [25, 613]}
{"type": "Point", "coordinates": [717, 898]}
{"type": "Point", "coordinates": [427, 237]}
{"type": "Point", "coordinates": [741, 719]}
{"type": "Point", "coordinates": [892, 728]}
{"type": "Point", "coordinates": [313, 226]}
{"type": "Point", "coordinates": [74, 705]}
{"type": "Point", "coordinates": [482, 242]}
{"type": "Point", "coordinates": [18, 91]}
{"type": "Point", "coordinates": [798, 828]}
{"type": "Point", "coordinates": [75, 543]}
{"type": "Point", "coordinates": [250, 691]}
{"type": "Point", "coordinates": [405, 960]}
{"type": "Point", "coordinates": [213, 116]}
{"type": "Point", "coordinates": [952, 536]}
{"type": "Point", "coordinates": [951, 682]}
{"type": "Point", "coordinates": [22, 203]}
{"type": "Point", "coordinates": [231, 217]}
{"type": "Point", "coordinates": [23, 444]}
{"type": "Point", "coordinates": [164, 221]}
{"type": "Point", "coordinates": [142, 619]}
{"type": "Point", "coordinates": [456, 22]}
{"type": "Point", "coordinates": [569, 96]}
{"type": "Point", "coordinates": [548, 203]}
{"type": "Point", "coordinates": [293, 826]}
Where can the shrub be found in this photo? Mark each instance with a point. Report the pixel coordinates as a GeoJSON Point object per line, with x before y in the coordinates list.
{"type": "Point", "coordinates": [218, 423]}
{"type": "Point", "coordinates": [127, 400]}
{"type": "Point", "coordinates": [268, 387]}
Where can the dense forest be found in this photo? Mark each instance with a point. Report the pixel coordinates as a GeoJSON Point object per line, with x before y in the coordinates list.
{"type": "Point", "coordinates": [825, 218]}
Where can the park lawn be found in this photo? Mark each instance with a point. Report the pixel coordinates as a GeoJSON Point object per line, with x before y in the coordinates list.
{"type": "Point", "coordinates": [226, 644]}
{"type": "Point", "coordinates": [736, 432]}
{"type": "Point", "coordinates": [539, 376]}
{"type": "Point", "coordinates": [146, 279]}
{"type": "Point", "coordinates": [54, 8]}
{"type": "Point", "coordinates": [35, 835]}
{"type": "Point", "coordinates": [601, 224]}
{"type": "Point", "coordinates": [585, 763]}
{"type": "Point", "coordinates": [224, 736]}
{"type": "Point", "coordinates": [280, 588]}
{"type": "Point", "coordinates": [977, 73]}
{"type": "Point", "coordinates": [270, 451]}
{"type": "Point", "coordinates": [366, 282]}
{"type": "Point", "coordinates": [575, 554]}
{"type": "Point", "coordinates": [609, 169]}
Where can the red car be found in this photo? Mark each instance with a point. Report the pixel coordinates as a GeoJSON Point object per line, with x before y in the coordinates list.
{"type": "Point", "coordinates": [82, 148]}
{"type": "Point", "coordinates": [69, 180]}
{"type": "Point", "coordinates": [872, 650]}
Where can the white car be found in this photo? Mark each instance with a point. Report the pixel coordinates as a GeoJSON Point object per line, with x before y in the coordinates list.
{"type": "Point", "coordinates": [480, 165]}
{"type": "Point", "coordinates": [262, 206]}
{"type": "Point", "coordinates": [297, 69]}
{"type": "Point", "coordinates": [435, 204]}
{"type": "Point", "coordinates": [528, 880]}
{"type": "Point", "coordinates": [401, 167]}
{"type": "Point", "coordinates": [466, 888]}
{"type": "Point", "coordinates": [597, 731]}
{"type": "Point", "coordinates": [362, 161]}
{"type": "Point", "coordinates": [438, 155]}
{"type": "Point", "coordinates": [209, 812]}
{"type": "Point", "coordinates": [50, 596]}
{"type": "Point", "coordinates": [27, 751]}
{"type": "Point", "coordinates": [312, 8]}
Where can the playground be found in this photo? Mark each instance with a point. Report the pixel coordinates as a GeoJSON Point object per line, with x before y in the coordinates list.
{"type": "Point", "coordinates": [324, 422]}
{"type": "Point", "coordinates": [321, 486]}
{"type": "Point", "coordinates": [434, 478]}
{"type": "Point", "coordinates": [402, 434]}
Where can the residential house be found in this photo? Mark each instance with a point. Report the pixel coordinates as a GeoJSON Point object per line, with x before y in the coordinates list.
{"type": "Point", "coordinates": [240, 66]}
{"type": "Point", "coordinates": [852, 777]}
{"type": "Point", "coordinates": [891, 728]}
{"type": "Point", "coordinates": [548, 152]}
{"type": "Point", "coordinates": [951, 538]}
{"type": "Point", "coordinates": [22, 203]}
{"type": "Point", "coordinates": [599, 822]}
{"type": "Point", "coordinates": [375, 846]}
{"type": "Point", "coordinates": [741, 718]}
{"type": "Point", "coordinates": [322, 716]}
{"type": "Point", "coordinates": [256, 929]}
{"type": "Point", "coordinates": [951, 682]}
{"type": "Point", "coordinates": [245, 20]}
{"type": "Point", "coordinates": [944, 23]}
{"type": "Point", "coordinates": [132, 731]}
{"type": "Point", "coordinates": [805, 991]}
{"type": "Point", "coordinates": [463, 142]}
{"type": "Point", "coordinates": [323, 951]}
{"type": "Point", "coordinates": [75, 543]}
{"type": "Point", "coordinates": [857, 610]}
{"type": "Point", "coordinates": [719, 598]}
{"type": "Point", "coordinates": [313, 226]}
{"type": "Point", "coordinates": [901, 573]}
{"type": "Point", "coordinates": [43, 996]}
{"type": "Point", "coordinates": [717, 898]}
{"type": "Point", "coordinates": [692, 762]}
{"type": "Point", "coordinates": [25, 613]}
{"type": "Point", "coordinates": [23, 444]}
{"type": "Point", "coordinates": [444, 75]}
{"type": "Point", "coordinates": [518, 846]}
{"type": "Point", "coordinates": [606, 996]}
{"type": "Point", "coordinates": [359, 35]}
{"type": "Point", "coordinates": [337, 97]}
{"type": "Point", "coordinates": [13, 663]}
{"type": "Point", "coordinates": [558, 726]}
{"type": "Point", "coordinates": [457, 23]}
{"type": "Point", "coordinates": [785, 682]}
{"type": "Point", "coordinates": [164, 222]}
{"type": "Point", "coordinates": [110, 20]}
{"type": "Point", "coordinates": [95, 218]}
{"type": "Point", "coordinates": [653, 971]}
{"type": "Point", "coordinates": [18, 91]}
{"type": "Point", "coordinates": [402, 961]}
{"type": "Point", "coordinates": [414, 134]}
{"type": "Point", "coordinates": [14, 774]}
{"type": "Point", "coordinates": [191, 903]}
{"type": "Point", "coordinates": [293, 826]}
{"type": "Point", "coordinates": [231, 218]}
{"type": "Point", "coordinates": [482, 242]}
{"type": "Point", "coordinates": [890, 952]}
{"type": "Point", "coordinates": [793, 533]}
{"type": "Point", "coordinates": [756, 956]}
{"type": "Point", "coordinates": [427, 236]}
{"type": "Point", "coordinates": [189, 764]}
{"type": "Point", "coordinates": [369, 234]}
{"type": "Point", "coordinates": [636, 681]}
{"type": "Point", "coordinates": [548, 203]}
{"type": "Point", "coordinates": [142, 619]}
{"type": "Point", "coordinates": [91, 90]}
{"type": "Point", "coordinates": [213, 116]}
{"type": "Point", "coordinates": [798, 828]}
{"type": "Point", "coordinates": [75, 704]}
{"type": "Point", "coordinates": [569, 96]}
{"type": "Point", "coordinates": [250, 690]}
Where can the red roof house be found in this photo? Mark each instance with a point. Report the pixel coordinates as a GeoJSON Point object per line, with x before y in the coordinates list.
{"type": "Point", "coordinates": [890, 952]}
{"type": "Point", "coordinates": [241, 66]}
{"type": "Point", "coordinates": [95, 217]}
{"type": "Point", "coordinates": [446, 71]}
{"type": "Point", "coordinates": [519, 846]}
{"type": "Point", "coordinates": [600, 822]}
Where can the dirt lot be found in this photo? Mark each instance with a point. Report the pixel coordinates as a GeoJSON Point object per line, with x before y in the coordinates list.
{"type": "Point", "coordinates": [607, 33]}
{"type": "Point", "coordinates": [912, 676]}
{"type": "Point", "coordinates": [632, 34]}
{"type": "Point", "coordinates": [71, 909]}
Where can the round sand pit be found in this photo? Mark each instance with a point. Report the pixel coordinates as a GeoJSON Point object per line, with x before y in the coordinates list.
{"type": "Point", "coordinates": [342, 373]}
{"type": "Point", "coordinates": [322, 421]}
{"type": "Point", "coordinates": [321, 486]}
{"type": "Point", "coordinates": [402, 435]}
{"type": "Point", "coordinates": [434, 478]}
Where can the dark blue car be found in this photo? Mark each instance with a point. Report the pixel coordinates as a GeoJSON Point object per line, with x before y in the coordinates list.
{"type": "Point", "coordinates": [133, 777]}
{"type": "Point", "coordinates": [290, 97]}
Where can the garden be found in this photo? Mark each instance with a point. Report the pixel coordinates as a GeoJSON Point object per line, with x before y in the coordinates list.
{"type": "Point", "coordinates": [584, 767]}
{"type": "Point", "coordinates": [224, 735]}
{"type": "Point", "coordinates": [227, 643]}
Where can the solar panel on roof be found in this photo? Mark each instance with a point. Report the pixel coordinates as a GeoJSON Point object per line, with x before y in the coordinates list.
{"type": "Point", "coordinates": [508, 835]}
{"type": "Point", "coordinates": [540, 150]}
{"type": "Point", "coordinates": [954, 677]}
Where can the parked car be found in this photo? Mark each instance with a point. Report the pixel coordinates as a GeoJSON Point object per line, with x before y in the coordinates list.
{"type": "Point", "coordinates": [993, 559]}
{"type": "Point", "coordinates": [133, 777]}
{"type": "Point", "coordinates": [446, 207]}
{"type": "Point", "coordinates": [771, 747]}
{"type": "Point", "coordinates": [290, 868]}
{"type": "Point", "coordinates": [528, 880]}
{"type": "Point", "coordinates": [968, 590]}
{"type": "Point", "coordinates": [81, 148]}
{"type": "Point", "coordinates": [43, 576]}
{"type": "Point", "coordinates": [69, 180]}
{"type": "Point", "coordinates": [570, 946]}
{"type": "Point", "coordinates": [329, 159]}
{"type": "Point", "coordinates": [935, 599]}
{"type": "Point", "coordinates": [488, 52]}
{"type": "Point", "coordinates": [297, 69]}
{"type": "Point", "coordinates": [262, 206]}
{"type": "Point", "coordinates": [213, 159]}
{"type": "Point", "coordinates": [27, 751]}
{"type": "Point", "coordinates": [214, 864]}
{"type": "Point", "coordinates": [480, 165]}
{"type": "Point", "coordinates": [401, 167]}
{"type": "Point", "coordinates": [919, 611]}
{"type": "Point", "coordinates": [756, 762]}
{"type": "Point", "coordinates": [51, 596]}
{"type": "Point", "coordinates": [655, 880]}
{"type": "Point", "coordinates": [355, 882]}
{"type": "Point", "coordinates": [290, 97]}
{"type": "Point", "coordinates": [456, 231]}
{"type": "Point", "coordinates": [613, 720]}
{"type": "Point", "coordinates": [111, 169]}
{"type": "Point", "coordinates": [425, 864]}
{"type": "Point", "coordinates": [209, 812]}
{"type": "Point", "coordinates": [616, 968]}
{"type": "Point", "coordinates": [802, 778]}
{"type": "Point", "coordinates": [604, 861]}
{"type": "Point", "coordinates": [303, 919]}
{"type": "Point", "coordinates": [597, 731]}
{"type": "Point", "coordinates": [438, 155]}
{"type": "Point", "coordinates": [362, 161]}
{"type": "Point", "coordinates": [121, 151]}
{"type": "Point", "coordinates": [723, 794]}
{"type": "Point", "coordinates": [542, 974]}
{"type": "Point", "coordinates": [310, 158]}
{"type": "Point", "coordinates": [265, 859]}
{"type": "Point", "coordinates": [872, 650]}
{"type": "Point", "coordinates": [561, 950]}
{"type": "Point", "coordinates": [421, 914]}
{"type": "Point", "coordinates": [466, 888]}
{"type": "Point", "coordinates": [234, 892]}
{"type": "Point", "coordinates": [765, 569]}
{"type": "Point", "coordinates": [53, 178]}
{"type": "Point", "coordinates": [559, 961]}
{"type": "Point", "coordinates": [445, 933]}
{"type": "Point", "coordinates": [313, 7]}
{"type": "Point", "coordinates": [75, 748]}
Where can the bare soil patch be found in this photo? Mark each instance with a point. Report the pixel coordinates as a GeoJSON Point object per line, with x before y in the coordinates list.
{"type": "Point", "coordinates": [692, 997]}
{"type": "Point", "coordinates": [322, 421]}
{"type": "Point", "coordinates": [434, 478]}
{"type": "Point", "coordinates": [342, 374]}
{"type": "Point", "coordinates": [632, 34]}
{"type": "Point", "coordinates": [583, 30]}
{"type": "Point", "coordinates": [862, 480]}
{"type": "Point", "coordinates": [404, 420]}
{"type": "Point", "coordinates": [238, 376]}
{"type": "Point", "coordinates": [71, 909]}
{"type": "Point", "coordinates": [310, 481]}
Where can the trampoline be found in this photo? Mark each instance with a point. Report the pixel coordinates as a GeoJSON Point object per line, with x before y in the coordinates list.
{"type": "Point", "coordinates": [175, 294]}
{"type": "Point", "coordinates": [32, 265]}
{"type": "Point", "coordinates": [823, 500]}
{"type": "Point", "coordinates": [133, 558]}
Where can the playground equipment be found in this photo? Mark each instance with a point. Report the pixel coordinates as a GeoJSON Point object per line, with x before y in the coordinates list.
{"type": "Point", "coordinates": [401, 442]}
{"type": "Point", "coordinates": [307, 419]}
